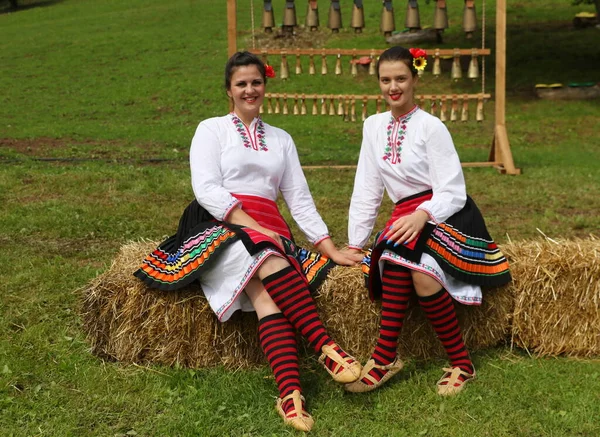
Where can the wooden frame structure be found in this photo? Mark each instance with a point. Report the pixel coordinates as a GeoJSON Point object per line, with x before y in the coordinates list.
{"type": "Point", "coordinates": [500, 156]}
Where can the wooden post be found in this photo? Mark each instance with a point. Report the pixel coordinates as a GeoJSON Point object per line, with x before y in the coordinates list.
{"type": "Point", "coordinates": [500, 150]}
{"type": "Point", "coordinates": [231, 27]}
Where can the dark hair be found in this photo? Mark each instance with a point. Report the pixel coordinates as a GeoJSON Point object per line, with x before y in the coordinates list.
{"type": "Point", "coordinates": [242, 59]}
{"type": "Point", "coordinates": [397, 53]}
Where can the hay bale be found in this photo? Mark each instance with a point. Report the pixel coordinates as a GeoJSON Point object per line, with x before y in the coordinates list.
{"type": "Point", "coordinates": [557, 307]}
{"type": "Point", "coordinates": [126, 321]}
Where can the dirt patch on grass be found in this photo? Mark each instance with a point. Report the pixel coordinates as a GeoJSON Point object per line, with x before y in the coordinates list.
{"type": "Point", "coordinates": [43, 145]}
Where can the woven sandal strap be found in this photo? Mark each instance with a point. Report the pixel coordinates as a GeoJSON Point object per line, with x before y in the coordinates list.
{"type": "Point", "coordinates": [455, 373]}
{"type": "Point", "coordinates": [298, 408]}
{"type": "Point", "coordinates": [332, 354]}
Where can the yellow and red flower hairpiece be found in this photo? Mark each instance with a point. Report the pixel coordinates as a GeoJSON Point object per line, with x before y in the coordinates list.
{"type": "Point", "coordinates": [419, 58]}
{"type": "Point", "coordinates": [269, 71]}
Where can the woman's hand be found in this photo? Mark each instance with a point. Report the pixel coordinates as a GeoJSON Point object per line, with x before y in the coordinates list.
{"type": "Point", "coordinates": [406, 228]}
{"type": "Point", "coordinates": [355, 255]}
{"type": "Point", "coordinates": [273, 235]}
{"type": "Point", "coordinates": [327, 248]}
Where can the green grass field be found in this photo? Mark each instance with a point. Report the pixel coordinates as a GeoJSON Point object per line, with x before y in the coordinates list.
{"type": "Point", "coordinates": [98, 103]}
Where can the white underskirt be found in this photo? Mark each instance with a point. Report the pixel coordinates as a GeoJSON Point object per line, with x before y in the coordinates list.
{"type": "Point", "coordinates": [223, 284]}
{"type": "Point", "coordinates": [462, 292]}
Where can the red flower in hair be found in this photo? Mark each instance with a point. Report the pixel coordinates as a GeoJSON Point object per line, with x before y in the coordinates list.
{"type": "Point", "coordinates": [269, 71]}
{"type": "Point", "coordinates": [418, 53]}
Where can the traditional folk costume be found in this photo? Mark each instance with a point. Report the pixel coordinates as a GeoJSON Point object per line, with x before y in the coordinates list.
{"type": "Point", "coordinates": [413, 158]}
{"type": "Point", "coordinates": [239, 166]}
{"type": "Point", "coordinates": [234, 166]}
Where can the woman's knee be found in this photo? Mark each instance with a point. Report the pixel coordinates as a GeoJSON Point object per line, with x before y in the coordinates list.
{"type": "Point", "coordinates": [261, 300]}
{"type": "Point", "coordinates": [424, 284]}
{"type": "Point", "coordinates": [271, 265]}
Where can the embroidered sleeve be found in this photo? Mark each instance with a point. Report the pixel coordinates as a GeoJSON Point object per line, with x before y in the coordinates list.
{"type": "Point", "coordinates": [447, 179]}
{"type": "Point", "coordinates": [296, 194]}
{"type": "Point", "coordinates": [205, 165]}
{"type": "Point", "coordinates": [367, 194]}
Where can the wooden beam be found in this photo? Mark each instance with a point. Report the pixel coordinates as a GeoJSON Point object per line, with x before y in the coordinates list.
{"type": "Point", "coordinates": [231, 27]}
{"type": "Point", "coordinates": [500, 146]}
{"type": "Point", "coordinates": [362, 52]}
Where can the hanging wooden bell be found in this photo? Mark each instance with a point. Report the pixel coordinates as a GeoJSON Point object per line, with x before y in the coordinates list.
{"type": "Point", "coordinates": [358, 16]}
{"type": "Point", "coordinates": [268, 20]}
{"type": "Point", "coordinates": [354, 66]}
{"type": "Point", "coordinates": [456, 72]}
{"type": "Point", "coordinates": [312, 16]}
{"type": "Point", "coordinates": [284, 72]}
{"type": "Point", "coordinates": [372, 66]}
{"type": "Point", "coordinates": [289, 17]}
{"type": "Point", "coordinates": [412, 21]}
{"type": "Point", "coordinates": [479, 110]}
{"type": "Point", "coordinates": [303, 110]}
{"type": "Point", "coordinates": [473, 71]}
{"type": "Point", "coordinates": [323, 64]}
{"type": "Point", "coordinates": [440, 19]}
{"type": "Point", "coordinates": [388, 24]}
{"type": "Point", "coordinates": [363, 115]}
{"type": "Point", "coordinates": [298, 64]}
{"type": "Point", "coordinates": [437, 65]}
{"type": "Point", "coordinates": [469, 18]}
{"type": "Point", "coordinates": [440, 16]}
{"type": "Point", "coordinates": [285, 108]}
{"type": "Point", "coordinates": [464, 113]}
{"type": "Point", "coordinates": [454, 109]}
{"type": "Point", "coordinates": [338, 65]}
{"type": "Point", "coordinates": [335, 16]}
{"type": "Point", "coordinates": [315, 107]}
{"type": "Point", "coordinates": [269, 106]}
{"type": "Point", "coordinates": [311, 65]}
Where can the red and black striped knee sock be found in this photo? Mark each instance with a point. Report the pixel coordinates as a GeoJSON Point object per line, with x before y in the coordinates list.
{"type": "Point", "coordinates": [278, 341]}
{"type": "Point", "coordinates": [439, 309]}
{"type": "Point", "coordinates": [397, 287]}
{"type": "Point", "coordinates": [290, 293]}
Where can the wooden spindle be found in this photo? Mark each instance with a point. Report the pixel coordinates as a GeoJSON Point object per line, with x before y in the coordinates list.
{"type": "Point", "coordinates": [363, 116]}
{"type": "Point", "coordinates": [454, 109]}
{"type": "Point", "coordinates": [479, 111]}
{"type": "Point", "coordinates": [464, 114]}
{"type": "Point", "coordinates": [284, 73]}
{"type": "Point", "coordinates": [443, 117]}
{"type": "Point", "coordinates": [338, 65]}
{"type": "Point", "coordinates": [298, 64]}
{"type": "Point", "coordinates": [331, 106]}
{"type": "Point", "coordinates": [285, 105]}
{"type": "Point", "coordinates": [311, 65]}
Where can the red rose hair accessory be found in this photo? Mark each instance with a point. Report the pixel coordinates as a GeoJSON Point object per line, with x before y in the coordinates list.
{"type": "Point", "coordinates": [419, 58]}
{"type": "Point", "coordinates": [269, 71]}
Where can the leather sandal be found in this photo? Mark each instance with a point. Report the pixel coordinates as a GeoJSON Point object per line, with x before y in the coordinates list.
{"type": "Point", "coordinates": [359, 386]}
{"type": "Point", "coordinates": [350, 366]}
{"type": "Point", "coordinates": [300, 420]}
{"type": "Point", "coordinates": [450, 384]}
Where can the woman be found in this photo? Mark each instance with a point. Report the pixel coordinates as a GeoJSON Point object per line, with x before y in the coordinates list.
{"type": "Point", "coordinates": [436, 240]}
{"type": "Point", "coordinates": [236, 243]}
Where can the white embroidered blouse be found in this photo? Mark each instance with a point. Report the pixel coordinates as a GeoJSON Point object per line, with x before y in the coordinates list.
{"type": "Point", "coordinates": [406, 156]}
{"type": "Point", "coordinates": [260, 160]}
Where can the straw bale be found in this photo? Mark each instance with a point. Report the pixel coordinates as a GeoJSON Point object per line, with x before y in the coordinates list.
{"type": "Point", "coordinates": [126, 321]}
{"type": "Point", "coordinates": [557, 307]}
